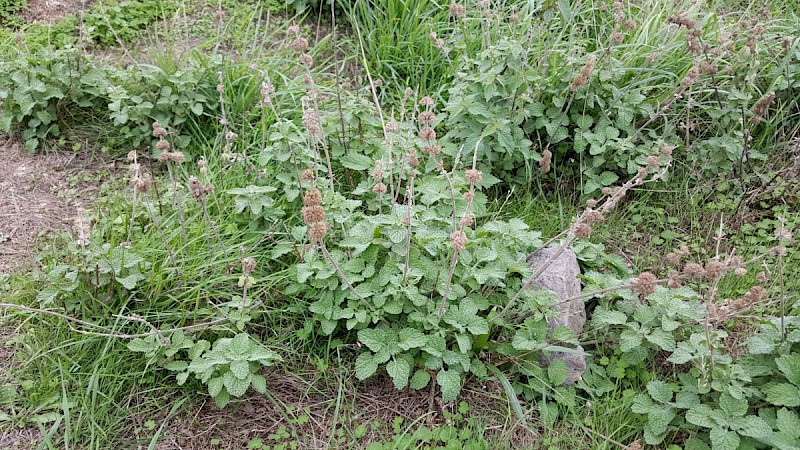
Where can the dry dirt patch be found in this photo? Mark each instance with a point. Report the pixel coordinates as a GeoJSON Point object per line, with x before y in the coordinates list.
{"type": "Point", "coordinates": [40, 193]}
{"type": "Point", "coordinates": [51, 11]}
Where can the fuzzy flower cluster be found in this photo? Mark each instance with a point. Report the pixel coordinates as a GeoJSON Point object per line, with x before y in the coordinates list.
{"type": "Point", "coordinates": [583, 77]}
{"type": "Point", "coordinates": [160, 132]}
{"type": "Point", "coordinates": [314, 215]}
{"type": "Point", "coordinates": [199, 190]}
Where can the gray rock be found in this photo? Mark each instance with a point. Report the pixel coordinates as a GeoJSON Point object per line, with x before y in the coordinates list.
{"type": "Point", "coordinates": [561, 277]}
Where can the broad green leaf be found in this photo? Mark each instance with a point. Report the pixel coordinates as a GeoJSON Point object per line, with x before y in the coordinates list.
{"type": "Point", "coordinates": [700, 415]}
{"type": "Point", "coordinates": [235, 386]}
{"type": "Point", "coordinates": [399, 369]}
{"type": "Point", "coordinates": [789, 365]}
{"type": "Point", "coordinates": [259, 383]}
{"type": "Point", "coordinates": [557, 372]}
{"type": "Point", "coordinates": [782, 394]}
{"type": "Point", "coordinates": [365, 365]}
{"type": "Point", "coordinates": [215, 386]}
{"type": "Point", "coordinates": [731, 406]}
{"type": "Point", "coordinates": [753, 426]}
{"type": "Point", "coordinates": [450, 383]}
{"type": "Point", "coordinates": [610, 317]}
{"type": "Point", "coordinates": [420, 379]}
{"type": "Point", "coordinates": [376, 338]}
{"type": "Point", "coordinates": [411, 338]}
{"type": "Point", "coordinates": [240, 369]}
{"type": "Point", "coordinates": [659, 391]}
{"type": "Point", "coordinates": [722, 439]}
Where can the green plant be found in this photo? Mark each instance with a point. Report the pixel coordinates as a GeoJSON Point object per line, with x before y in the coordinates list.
{"type": "Point", "coordinates": [229, 366]}
{"type": "Point", "coordinates": [9, 11]}
{"type": "Point", "coordinates": [111, 22]}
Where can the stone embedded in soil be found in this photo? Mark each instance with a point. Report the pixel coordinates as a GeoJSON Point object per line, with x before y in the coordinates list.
{"type": "Point", "coordinates": [561, 277]}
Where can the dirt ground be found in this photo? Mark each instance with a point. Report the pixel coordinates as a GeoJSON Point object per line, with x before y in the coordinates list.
{"type": "Point", "coordinates": [51, 11]}
{"type": "Point", "coordinates": [41, 194]}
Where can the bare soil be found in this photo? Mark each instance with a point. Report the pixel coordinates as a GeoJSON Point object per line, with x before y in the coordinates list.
{"type": "Point", "coordinates": [41, 194]}
{"type": "Point", "coordinates": [51, 11]}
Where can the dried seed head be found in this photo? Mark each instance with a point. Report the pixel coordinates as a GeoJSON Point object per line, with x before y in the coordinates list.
{"type": "Point", "coordinates": [673, 258]}
{"type": "Point", "coordinates": [412, 159]}
{"type": "Point", "coordinates": [666, 150]}
{"type": "Point", "coordinates": [756, 294]}
{"type": "Point", "coordinates": [617, 38]}
{"type": "Point", "coordinates": [426, 117]}
{"type": "Point", "coordinates": [469, 196]}
{"type": "Point", "coordinates": [578, 82]}
{"type": "Point", "coordinates": [674, 281]}
{"type": "Point", "coordinates": [594, 216]}
{"type": "Point", "coordinates": [311, 122]}
{"type": "Point", "coordinates": [132, 155]}
{"type": "Point", "coordinates": [606, 191]}
{"type": "Point", "coordinates": [248, 265]}
{"type": "Point", "coordinates": [473, 176]}
{"type": "Point", "coordinates": [762, 277]}
{"type": "Point", "coordinates": [317, 231]}
{"type": "Point", "coordinates": [740, 271]}
{"type": "Point", "coordinates": [312, 214]}
{"type": "Point", "coordinates": [432, 149]}
{"type": "Point", "coordinates": [307, 175]}
{"type": "Point", "coordinates": [142, 183]}
{"type": "Point", "coordinates": [408, 93]}
{"type": "Point", "coordinates": [306, 59]}
{"type": "Point", "coordinates": [175, 157]}
{"type": "Point", "coordinates": [457, 11]}
{"type": "Point", "coordinates": [467, 220]}
{"type": "Point", "coordinates": [544, 163]}
{"type": "Point", "coordinates": [379, 188]}
{"type": "Point", "coordinates": [630, 24]}
{"type": "Point", "coordinates": [778, 250]}
{"type": "Point", "coordinates": [427, 134]}
{"type": "Point", "coordinates": [583, 231]}
{"type": "Point", "coordinates": [312, 197]}
{"type": "Point", "coordinates": [591, 203]}
{"type": "Point", "coordinates": [786, 43]}
{"type": "Point", "coordinates": [163, 145]}
{"type": "Point", "coordinates": [761, 107]}
{"type": "Point", "coordinates": [708, 68]}
{"type": "Point", "coordinates": [681, 20]}
{"type": "Point", "coordinates": [644, 284]}
{"type": "Point", "coordinates": [159, 132]}
{"type": "Point", "coordinates": [392, 126]}
{"type": "Point", "coordinates": [693, 270]}
{"type": "Point", "coordinates": [230, 135]}
{"type": "Point", "coordinates": [691, 77]}
{"type": "Point", "coordinates": [641, 174]}
{"type": "Point", "coordinates": [715, 269]}
{"type": "Point", "coordinates": [458, 239]}
{"type": "Point", "coordinates": [652, 161]}
{"type": "Point", "coordinates": [134, 167]}
{"type": "Point", "coordinates": [299, 45]}
{"type": "Point", "coordinates": [426, 101]}
{"type": "Point", "coordinates": [220, 88]}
